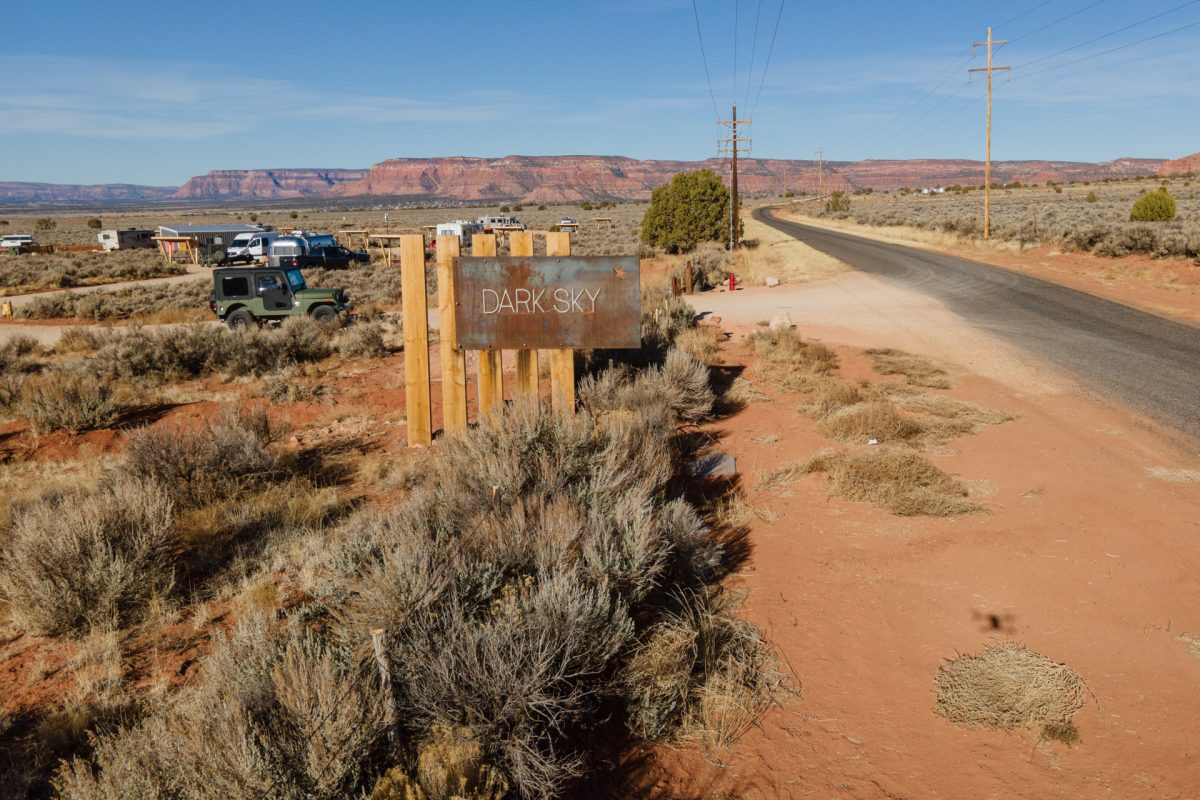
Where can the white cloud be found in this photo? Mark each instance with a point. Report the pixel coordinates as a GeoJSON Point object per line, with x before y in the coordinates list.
{"type": "Point", "coordinates": [113, 99]}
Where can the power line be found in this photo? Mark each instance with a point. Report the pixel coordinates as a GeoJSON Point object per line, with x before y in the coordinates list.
{"type": "Point", "coordinates": [1024, 14]}
{"type": "Point", "coordinates": [1107, 35]}
{"type": "Point", "coordinates": [937, 124]}
{"type": "Point", "coordinates": [1107, 52]}
{"type": "Point", "coordinates": [1057, 21]}
{"type": "Point", "coordinates": [753, 53]}
{"type": "Point", "coordinates": [887, 140]}
{"type": "Point", "coordinates": [770, 52]}
{"type": "Point", "coordinates": [707, 74]}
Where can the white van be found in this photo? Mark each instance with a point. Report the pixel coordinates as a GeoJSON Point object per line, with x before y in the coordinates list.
{"type": "Point", "coordinates": [250, 246]}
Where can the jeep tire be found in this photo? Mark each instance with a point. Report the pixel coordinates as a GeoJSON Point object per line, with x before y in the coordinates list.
{"type": "Point", "coordinates": [325, 315]}
{"type": "Point", "coordinates": [240, 320]}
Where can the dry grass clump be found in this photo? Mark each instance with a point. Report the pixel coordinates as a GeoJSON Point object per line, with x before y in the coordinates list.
{"type": "Point", "coordinates": [63, 399]}
{"type": "Point", "coordinates": [78, 340]}
{"type": "Point", "coordinates": [830, 395]}
{"type": "Point", "coordinates": [362, 340]}
{"type": "Point", "coordinates": [894, 478]}
{"type": "Point", "coordinates": [796, 365]}
{"type": "Point", "coordinates": [917, 370]}
{"type": "Point", "coordinates": [449, 766]}
{"type": "Point", "coordinates": [83, 559]}
{"type": "Point", "coordinates": [701, 673]}
{"type": "Point", "coordinates": [700, 343]}
{"type": "Point", "coordinates": [38, 271]}
{"type": "Point", "coordinates": [1008, 687]}
{"type": "Point", "coordinates": [859, 423]}
{"type": "Point", "coordinates": [944, 418]}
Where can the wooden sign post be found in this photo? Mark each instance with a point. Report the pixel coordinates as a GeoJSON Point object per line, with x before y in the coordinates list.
{"type": "Point", "coordinates": [416, 340]}
{"type": "Point", "coordinates": [521, 244]}
{"type": "Point", "coordinates": [454, 360]}
{"type": "Point", "coordinates": [491, 362]}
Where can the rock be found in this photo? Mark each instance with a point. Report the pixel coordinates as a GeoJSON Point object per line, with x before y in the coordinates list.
{"type": "Point", "coordinates": [714, 465]}
{"type": "Point", "coordinates": [772, 281]}
{"type": "Point", "coordinates": [781, 322]}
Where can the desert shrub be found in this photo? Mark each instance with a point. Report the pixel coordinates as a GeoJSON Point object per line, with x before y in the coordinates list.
{"type": "Point", "coordinates": [700, 343]}
{"type": "Point", "coordinates": [67, 400]}
{"type": "Point", "coordinates": [221, 457]}
{"type": "Point", "coordinates": [78, 340]}
{"type": "Point", "coordinates": [363, 340]}
{"type": "Point", "coordinates": [449, 766]}
{"type": "Point", "coordinates": [838, 202]}
{"type": "Point", "coordinates": [829, 396]}
{"type": "Point", "coordinates": [894, 478]}
{"type": "Point", "coordinates": [1091, 197]}
{"type": "Point", "coordinates": [276, 716]}
{"type": "Point", "coordinates": [711, 265]}
{"type": "Point", "coordinates": [692, 208]}
{"type": "Point", "coordinates": [1008, 687]}
{"type": "Point", "coordinates": [45, 224]}
{"type": "Point", "coordinates": [859, 423]}
{"type": "Point", "coordinates": [94, 223]}
{"type": "Point", "coordinates": [679, 386]}
{"type": "Point", "coordinates": [1156, 206]}
{"type": "Point", "coordinates": [86, 559]}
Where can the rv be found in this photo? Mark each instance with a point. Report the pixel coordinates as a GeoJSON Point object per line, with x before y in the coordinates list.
{"type": "Point", "coordinates": [500, 223]}
{"type": "Point", "coordinates": [461, 228]}
{"type": "Point", "coordinates": [286, 247]}
{"type": "Point", "coordinates": [128, 239]}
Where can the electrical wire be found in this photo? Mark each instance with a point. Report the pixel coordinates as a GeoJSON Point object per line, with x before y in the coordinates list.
{"type": "Point", "coordinates": [1055, 22]}
{"type": "Point", "coordinates": [753, 53]}
{"type": "Point", "coordinates": [937, 124]}
{"type": "Point", "coordinates": [704, 57]}
{"type": "Point", "coordinates": [1024, 14]}
{"type": "Point", "coordinates": [888, 140]}
{"type": "Point", "coordinates": [1107, 52]}
{"type": "Point", "coordinates": [770, 52]}
{"type": "Point", "coordinates": [1107, 35]}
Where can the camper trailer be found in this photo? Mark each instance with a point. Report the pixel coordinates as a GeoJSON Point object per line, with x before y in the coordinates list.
{"type": "Point", "coordinates": [462, 228]}
{"type": "Point", "coordinates": [500, 223]}
{"type": "Point", "coordinates": [128, 239]}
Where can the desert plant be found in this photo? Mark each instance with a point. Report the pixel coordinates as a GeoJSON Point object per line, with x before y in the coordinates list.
{"type": "Point", "coordinates": [838, 202]}
{"type": "Point", "coordinates": [363, 340]}
{"type": "Point", "coordinates": [860, 423]}
{"type": "Point", "coordinates": [895, 478]}
{"type": "Point", "coordinates": [67, 400]}
{"type": "Point", "coordinates": [692, 208]}
{"type": "Point", "coordinates": [1156, 206]}
{"type": "Point", "coordinates": [94, 223]}
{"type": "Point", "coordinates": [85, 559]}
{"type": "Point", "coordinates": [45, 224]}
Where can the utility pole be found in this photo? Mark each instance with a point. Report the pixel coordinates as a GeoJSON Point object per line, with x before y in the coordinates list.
{"type": "Point", "coordinates": [820, 174]}
{"type": "Point", "coordinates": [987, 168]}
{"type": "Point", "coordinates": [733, 148]}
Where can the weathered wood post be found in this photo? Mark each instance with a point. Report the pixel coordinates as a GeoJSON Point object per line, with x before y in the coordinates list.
{"type": "Point", "coordinates": [520, 243]}
{"type": "Point", "coordinates": [416, 340]}
{"type": "Point", "coordinates": [689, 277]}
{"type": "Point", "coordinates": [562, 362]}
{"type": "Point", "coordinates": [491, 364]}
{"type": "Point", "coordinates": [454, 360]}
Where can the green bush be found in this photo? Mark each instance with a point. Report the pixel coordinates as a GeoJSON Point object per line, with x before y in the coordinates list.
{"type": "Point", "coordinates": [1091, 197]}
{"type": "Point", "coordinates": [94, 223]}
{"type": "Point", "coordinates": [1156, 206]}
{"type": "Point", "coordinates": [837, 202]}
{"type": "Point", "coordinates": [505, 209]}
{"type": "Point", "coordinates": [692, 208]}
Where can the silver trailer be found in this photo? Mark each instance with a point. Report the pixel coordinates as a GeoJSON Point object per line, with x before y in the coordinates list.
{"type": "Point", "coordinates": [128, 239]}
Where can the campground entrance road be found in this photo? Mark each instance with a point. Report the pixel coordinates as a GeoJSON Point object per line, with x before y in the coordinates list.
{"type": "Point", "coordinates": [1148, 363]}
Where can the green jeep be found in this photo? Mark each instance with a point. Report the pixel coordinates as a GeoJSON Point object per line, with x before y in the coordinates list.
{"type": "Point", "coordinates": [245, 296]}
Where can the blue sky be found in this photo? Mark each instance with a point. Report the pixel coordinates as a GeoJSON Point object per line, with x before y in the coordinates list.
{"type": "Point", "coordinates": [102, 92]}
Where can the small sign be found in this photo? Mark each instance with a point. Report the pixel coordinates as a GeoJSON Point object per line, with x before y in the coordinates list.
{"type": "Point", "coordinates": [547, 302]}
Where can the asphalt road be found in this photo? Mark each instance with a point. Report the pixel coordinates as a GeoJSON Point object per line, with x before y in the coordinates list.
{"type": "Point", "coordinates": [1146, 362]}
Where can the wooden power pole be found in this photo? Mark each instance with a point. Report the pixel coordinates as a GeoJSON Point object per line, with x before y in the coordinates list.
{"type": "Point", "coordinates": [987, 167]}
{"type": "Point", "coordinates": [820, 174]}
{"type": "Point", "coordinates": [732, 146]}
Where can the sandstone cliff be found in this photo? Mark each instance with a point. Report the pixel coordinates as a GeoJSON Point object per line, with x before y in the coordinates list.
{"type": "Point", "coordinates": [265, 184]}
{"type": "Point", "coordinates": [1181, 165]}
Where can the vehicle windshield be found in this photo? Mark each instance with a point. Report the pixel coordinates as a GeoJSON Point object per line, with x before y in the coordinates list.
{"type": "Point", "coordinates": [296, 280]}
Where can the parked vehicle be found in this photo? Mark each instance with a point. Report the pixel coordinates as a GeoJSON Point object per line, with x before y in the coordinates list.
{"type": "Point", "coordinates": [13, 242]}
{"type": "Point", "coordinates": [506, 222]}
{"type": "Point", "coordinates": [246, 296]}
{"type": "Point", "coordinates": [286, 247]}
{"type": "Point", "coordinates": [326, 258]}
{"type": "Point", "coordinates": [247, 247]}
{"type": "Point", "coordinates": [316, 240]}
{"type": "Point", "coordinates": [462, 228]}
{"type": "Point", "coordinates": [128, 239]}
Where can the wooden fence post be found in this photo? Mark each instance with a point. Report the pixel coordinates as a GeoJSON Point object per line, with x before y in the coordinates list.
{"type": "Point", "coordinates": [690, 277]}
{"type": "Point", "coordinates": [491, 364]}
{"type": "Point", "coordinates": [454, 361]}
{"type": "Point", "coordinates": [562, 362]}
{"type": "Point", "coordinates": [520, 243]}
{"type": "Point", "coordinates": [416, 341]}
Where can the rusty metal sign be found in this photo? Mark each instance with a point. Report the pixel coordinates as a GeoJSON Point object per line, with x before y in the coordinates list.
{"type": "Point", "coordinates": [524, 303]}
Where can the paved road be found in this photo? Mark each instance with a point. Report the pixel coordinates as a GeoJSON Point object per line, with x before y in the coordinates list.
{"type": "Point", "coordinates": [1149, 363]}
